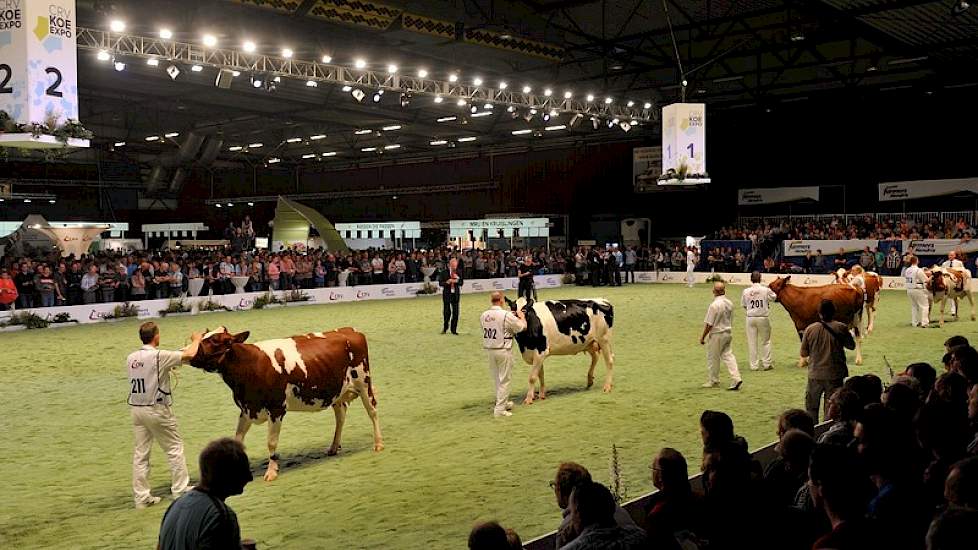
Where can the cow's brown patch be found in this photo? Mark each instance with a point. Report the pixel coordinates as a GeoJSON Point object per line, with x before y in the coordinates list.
{"type": "Point", "coordinates": [280, 358]}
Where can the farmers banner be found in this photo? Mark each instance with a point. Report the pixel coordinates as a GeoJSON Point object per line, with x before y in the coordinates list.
{"type": "Point", "coordinates": [904, 190]}
{"type": "Point", "coordinates": [940, 247]}
{"type": "Point", "coordinates": [774, 195]}
{"type": "Point", "coordinates": [800, 248]}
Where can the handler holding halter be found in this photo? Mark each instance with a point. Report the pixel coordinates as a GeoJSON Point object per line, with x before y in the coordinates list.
{"type": "Point", "coordinates": [498, 328]}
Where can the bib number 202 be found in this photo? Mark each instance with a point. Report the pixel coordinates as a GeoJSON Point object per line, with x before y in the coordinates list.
{"type": "Point", "coordinates": [489, 333]}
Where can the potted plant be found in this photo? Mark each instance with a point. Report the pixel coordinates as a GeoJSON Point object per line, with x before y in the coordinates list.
{"type": "Point", "coordinates": [62, 319]}
{"type": "Point", "coordinates": [296, 296]}
{"type": "Point", "coordinates": [122, 311]}
{"type": "Point", "coordinates": [24, 320]}
{"type": "Point", "coordinates": [210, 305]}
{"type": "Point", "coordinates": [428, 289]}
{"type": "Point", "coordinates": [267, 299]}
{"type": "Point", "coordinates": [176, 306]}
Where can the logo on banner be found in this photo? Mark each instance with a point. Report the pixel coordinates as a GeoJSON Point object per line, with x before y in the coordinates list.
{"type": "Point", "coordinates": [644, 277]}
{"type": "Point", "coordinates": [895, 284]}
{"type": "Point", "coordinates": [387, 291]}
{"type": "Point", "coordinates": [333, 296]}
{"type": "Point", "coordinates": [476, 286]}
{"type": "Point", "coordinates": [924, 248]}
{"type": "Point", "coordinates": [411, 289]}
{"type": "Point", "coordinates": [551, 281]}
{"type": "Point", "coordinates": [362, 294]}
{"type": "Point", "coordinates": [10, 15]}
{"type": "Point", "coordinates": [96, 315]}
{"type": "Point", "coordinates": [734, 280]}
{"type": "Point", "coordinates": [497, 285]}
{"type": "Point", "coordinates": [244, 303]}
{"type": "Point", "coordinates": [896, 192]}
{"type": "Point", "coordinates": [809, 281]}
{"type": "Point", "coordinates": [513, 284]}
{"type": "Point", "coordinates": [55, 26]}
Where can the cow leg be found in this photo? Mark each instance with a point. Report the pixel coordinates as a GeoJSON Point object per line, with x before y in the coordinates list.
{"type": "Point", "coordinates": [609, 363]}
{"type": "Point", "coordinates": [274, 428]}
{"type": "Point", "coordinates": [971, 301]}
{"type": "Point", "coordinates": [244, 423]}
{"type": "Point", "coordinates": [943, 299]}
{"type": "Point", "coordinates": [802, 361]}
{"type": "Point", "coordinates": [590, 370]}
{"type": "Point", "coordinates": [339, 410]}
{"type": "Point", "coordinates": [870, 316]}
{"type": "Point", "coordinates": [534, 369]}
{"type": "Point", "coordinates": [370, 404]}
{"type": "Point", "coordinates": [543, 385]}
{"type": "Point", "coordinates": [859, 343]}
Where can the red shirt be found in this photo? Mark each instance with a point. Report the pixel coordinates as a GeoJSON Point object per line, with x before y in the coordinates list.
{"type": "Point", "coordinates": [8, 291]}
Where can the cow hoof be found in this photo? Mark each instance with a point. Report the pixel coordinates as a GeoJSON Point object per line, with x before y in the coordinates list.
{"type": "Point", "coordinates": [378, 447]}
{"type": "Point", "coordinates": [590, 383]}
{"type": "Point", "coordinates": [528, 401]}
{"type": "Point", "coordinates": [542, 396]}
{"type": "Point", "coordinates": [607, 388]}
{"type": "Point", "coordinates": [859, 361]}
{"type": "Point", "coordinates": [332, 451]}
{"type": "Point", "coordinates": [271, 476]}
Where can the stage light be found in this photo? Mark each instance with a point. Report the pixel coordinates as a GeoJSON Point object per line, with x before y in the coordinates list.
{"type": "Point", "coordinates": [521, 132]}
{"type": "Point", "coordinates": [327, 58]}
{"type": "Point", "coordinates": [235, 148]}
{"type": "Point", "coordinates": [391, 128]}
{"type": "Point", "coordinates": [477, 81]}
{"type": "Point", "coordinates": [527, 89]}
{"type": "Point", "coordinates": [625, 126]}
{"type": "Point", "coordinates": [293, 140]}
{"type": "Point", "coordinates": [103, 55]}
{"type": "Point", "coordinates": [360, 63]}
{"type": "Point", "coordinates": [171, 134]}
{"type": "Point", "coordinates": [647, 105]}
{"type": "Point", "coordinates": [166, 34]}
{"type": "Point", "coordinates": [27, 200]}
{"type": "Point", "coordinates": [120, 144]}
{"type": "Point", "coordinates": [230, 204]}
{"type": "Point", "coordinates": [684, 83]}
{"type": "Point", "coordinates": [119, 66]}
{"type": "Point", "coordinates": [218, 205]}
{"type": "Point", "coordinates": [312, 84]}
{"type": "Point", "coordinates": [235, 73]}
{"type": "Point", "coordinates": [256, 82]}
{"type": "Point", "coordinates": [210, 40]}
{"type": "Point", "coordinates": [488, 106]}
{"type": "Point", "coordinates": [378, 95]}
{"type": "Point", "coordinates": [152, 138]}
{"type": "Point", "coordinates": [446, 119]}
{"type": "Point", "coordinates": [461, 102]}
{"type": "Point", "coordinates": [595, 122]}
{"type": "Point", "coordinates": [503, 85]}
{"type": "Point", "coordinates": [287, 53]}
{"type": "Point", "coordinates": [309, 155]}
{"type": "Point", "coordinates": [274, 160]}
{"type": "Point", "coordinates": [546, 117]}
{"type": "Point", "coordinates": [568, 95]}
{"type": "Point", "coordinates": [439, 99]}
{"type": "Point", "coordinates": [368, 149]}
{"type": "Point", "coordinates": [453, 77]}
{"type": "Point", "coordinates": [363, 132]}
{"type": "Point", "coordinates": [256, 145]}
{"type": "Point", "coordinates": [358, 94]}
{"type": "Point", "coordinates": [614, 121]}
{"type": "Point", "coordinates": [510, 109]}
{"type": "Point", "coordinates": [277, 79]}
{"type": "Point", "coordinates": [533, 111]}
{"type": "Point", "coordinates": [437, 142]}
{"type": "Point", "coordinates": [553, 112]}
{"type": "Point", "coordinates": [405, 99]}
{"type": "Point", "coordinates": [482, 114]}
{"type": "Point", "coordinates": [590, 98]}
{"type": "Point", "coordinates": [548, 92]}
{"type": "Point", "coordinates": [251, 204]}
{"type": "Point", "coordinates": [117, 25]}
{"type": "Point", "coordinates": [391, 69]}
{"type": "Point", "coordinates": [51, 201]}
{"type": "Point", "coordinates": [249, 46]}
{"type": "Point", "coordinates": [346, 88]}
{"type": "Point", "coordinates": [196, 68]}
{"type": "Point", "coordinates": [329, 154]}
{"type": "Point", "coordinates": [473, 109]}
{"type": "Point", "coordinates": [391, 147]}
{"type": "Point", "coordinates": [608, 101]}
{"type": "Point", "coordinates": [318, 137]}
{"type": "Point", "coordinates": [630, 104]}
{"type": "Point", "coordinates": [422, 73]}
{"type": "Point", "coordinates": [153, 62]}
{"type": "Point", "coordinates": [464, 139]}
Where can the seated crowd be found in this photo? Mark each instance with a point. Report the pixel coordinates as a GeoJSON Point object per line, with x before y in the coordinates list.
{"type": "Point", "coordinates": [867, 227]}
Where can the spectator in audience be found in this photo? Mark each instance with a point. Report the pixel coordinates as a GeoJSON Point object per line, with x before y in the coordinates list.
{"type": "Point", "coordinates": [488, 536]}
{"type": "Point", "coordinates": [964, 360]}
{"type": "Point", "coordinates": [843, 410]}
{"type": "Point", "coordinates": [592, 512]}
{"type": "Point", "coordinates": [868, 387]}
{"type": "Point", "coordinates": [571, 475]}
{"type": "Point", "coordinates": [824, 343]}
{"type": "Point", "coordinates": [838, 489]}
{"type": "Point", "coordinates": [734, 510]}
{"type": "Point", "coordinates": [673, 511]}
{"type": "Point", "coordinates": [513, 540]}
{"type": "Point", "coordinates": [954, 342]}
{"type": "Point", "coordinates": [903, 400]}
{"type": "Point", "coordinates": [925, 376]}
{"type": "Point", "coordinates": [783, 481]}
{"type": "Point", "coordinates": [961, 487]}
{"type": "Point", "coordinates": [973, 417]}
{"type": "Point", "coordinates": [795, 419]}
{"type": "Point", "coordinates": [717, 430]}
{"type": "Point", "coordinates": [952, 388]}
{"type": "Point", "coordinates": [200, 518]}
{"type": "Point", "coordinates": [8, 291]}
{"type": "Point", "coordinates": [942, 433]}
{"type": "Point", "coordinates": [953, 530]}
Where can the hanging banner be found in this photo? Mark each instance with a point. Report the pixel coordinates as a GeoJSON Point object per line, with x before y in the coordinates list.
{"type": "Point", "coordinates": [906, 190]}
{"type": "Point", "coordinates": [684, 137]}
{"type": "Point", "coordinates": [940, 247]}
{"type": "Point", "coordinates": [525, 227]}
{"type": "Point", "coordinates": [39, 68]}
{"type": "Point", "coordinates": [775, 195]}
{"type": "Point", "coordinates": [646, 166]}
{"type": "Point", "coordinates": [800, 248]}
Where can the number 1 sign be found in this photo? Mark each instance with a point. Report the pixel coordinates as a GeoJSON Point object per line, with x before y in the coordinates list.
{"type": "Point", "coordinates": [38, 60]}
{"type": "Point", "coordinates": [684, 137]}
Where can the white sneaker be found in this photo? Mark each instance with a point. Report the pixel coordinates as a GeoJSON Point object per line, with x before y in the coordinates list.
{"type": "Point", "coordinates": [503, 414]}
{"type": "Point", "coordinates": [710, 385]}
{"type": "Point", "coordinates": [509, 405]}
{"type": "Point", "coordinates": [755, 368]}
{"type": "Point", "coordinates": [147, 503]}
{"type": "Point", "coordinates": [769, 367]}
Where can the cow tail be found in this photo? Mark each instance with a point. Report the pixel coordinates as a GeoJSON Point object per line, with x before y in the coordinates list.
{"type": "Point", "coordinates": [369, 381]}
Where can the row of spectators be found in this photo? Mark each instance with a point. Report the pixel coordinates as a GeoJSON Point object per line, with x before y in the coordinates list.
{"type": "Point", "coordinates": [897, 468]}
{"type": "Point", "coordinates": [867, 227]}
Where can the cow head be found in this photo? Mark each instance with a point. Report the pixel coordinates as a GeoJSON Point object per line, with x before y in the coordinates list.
{"type": "Point", "coordinates": [936, 283]}
{"type": "Point", "coordinates": [214, 348]}
{"type": "Point", "coordinates": [779, 284]}
{"type": "Point", "coordinates": [510, 303]}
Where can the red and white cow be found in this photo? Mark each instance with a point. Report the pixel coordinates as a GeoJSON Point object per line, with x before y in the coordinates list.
{"type": "Point", "coordinates": [309, 373]}
{"type": "Point", "coordinates": [869, 283]}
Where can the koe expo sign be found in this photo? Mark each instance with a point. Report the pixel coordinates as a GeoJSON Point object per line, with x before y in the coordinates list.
{"type": "Point", "coordinates": [38, 60]}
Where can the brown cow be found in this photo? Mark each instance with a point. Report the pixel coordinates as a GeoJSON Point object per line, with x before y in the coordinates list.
{"type": "Point", "coordinates": [802, 304]}
{"type": "Point", "coordinates": [311, 372]}
{"type": "Point", "coordinates": [870, 284]}
{"type": "Point", "coordinates": [953, 283]}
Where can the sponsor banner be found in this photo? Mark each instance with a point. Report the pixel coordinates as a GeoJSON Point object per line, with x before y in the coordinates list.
{"type": "Point", "coordinates": [646, 165]}
{"type": "Point", "coordinates": [904, 190]}
{"type": "Point", "coordinates": [775, 195]}
{"type": "Point", "coordinates": [800, 248]}
{"type": "Point", "coordinates": [940, 247]}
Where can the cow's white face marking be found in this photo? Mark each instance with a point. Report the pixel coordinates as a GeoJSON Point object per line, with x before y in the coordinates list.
{"type": "Point", "coordinates": [218, 330]}
{"type": "Point", "coordinates": [289, 350]}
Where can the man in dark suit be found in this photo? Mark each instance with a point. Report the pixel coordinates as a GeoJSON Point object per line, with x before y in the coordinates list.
{"type": "Point", "coordinates": [451, 284]}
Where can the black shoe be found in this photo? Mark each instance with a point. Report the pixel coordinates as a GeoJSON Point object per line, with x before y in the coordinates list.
{"type": "Point", "coordinates": [455, 333]}
{"type": "Point", "coordinates": [444, 331]}
{"type": "Point", "coordinates": [735, 386]}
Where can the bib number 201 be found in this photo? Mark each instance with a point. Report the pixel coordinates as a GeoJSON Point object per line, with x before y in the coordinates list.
{"type": "Point", "coordinates": [138, 385]}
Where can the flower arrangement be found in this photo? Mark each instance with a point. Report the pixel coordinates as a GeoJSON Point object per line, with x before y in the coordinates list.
{"type": "Point", "coordinates": [267, 299]}
{"type": "Point", "coordinates": [28, 319]}
{"type": "Point", "coordinates": [63, 317]}
{"type": "Point", "coordinates": [297, 295]}
{"type": "Point", "coordinates": [211, 305]}
{"type": "Point", "coordinates": [123, 311]}
{"type": "Point", "coordinates": [176, 305]}
{"type": "Point", "coordinates": [427, 288]}
{"type": "Point", "coordinates": [62, 132]}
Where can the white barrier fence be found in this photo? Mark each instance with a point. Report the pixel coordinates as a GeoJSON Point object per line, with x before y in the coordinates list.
{"type": "Point", "coordinates": [93, 313]}
{"type": "Point", "coordinates": [799, 279]}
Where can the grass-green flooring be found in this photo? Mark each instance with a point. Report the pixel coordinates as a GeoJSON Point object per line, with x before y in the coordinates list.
{"type": "Point", "coordinates": [66, 443]}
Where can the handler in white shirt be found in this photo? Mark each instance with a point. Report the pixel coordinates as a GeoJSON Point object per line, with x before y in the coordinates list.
{"type": "Point", "coordinates": [756, 301]}
{"type": "Point", "coordinates": [498, 329]}
{"type": "Point", "coordinates": [716, 329]}
{"type": "Point", "coordinates": [690, 265]}
{"type": "Point", "coordinates": [952, 263]}
{"type": "Point", "coordinates": [916, 281]}
{"type": "Point", "coordinates": [149, 405]}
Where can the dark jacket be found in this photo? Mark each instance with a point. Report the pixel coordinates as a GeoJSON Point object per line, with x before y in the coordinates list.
{"type": "Point", "coordinates": [447, 289]}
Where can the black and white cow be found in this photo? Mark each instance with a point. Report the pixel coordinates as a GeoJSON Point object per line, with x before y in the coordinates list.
{"type": "Point", "coordinates": [565, 327]}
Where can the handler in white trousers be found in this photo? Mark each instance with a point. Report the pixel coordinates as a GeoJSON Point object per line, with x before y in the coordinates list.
{"type": "Point", "coordinates": [756, 301]}
{"type": "Point", "coordinates": [716, 336]}
{"type": "Point", "coordinates": [499, 326]}
{"type": "Point", "coordinates": [690, 265]}
{"type": "Point", "coordinates": [916, 281]}
{"type": "Point", "coordinates": [952, 263]}
{"type": "Point", "coordinates": [149, 405]}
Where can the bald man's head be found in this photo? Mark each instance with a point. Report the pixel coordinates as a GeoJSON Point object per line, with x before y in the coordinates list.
{"type": "Point", "coordinates": [719, 288]}
{"type": "Point", "coordinates": [496, 298]}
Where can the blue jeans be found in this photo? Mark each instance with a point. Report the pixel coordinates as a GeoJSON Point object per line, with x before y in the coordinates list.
{"type": "Point", "coordinates": [47, 299]}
